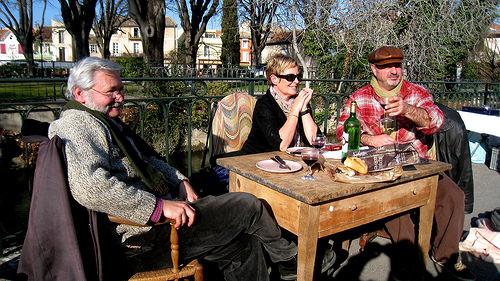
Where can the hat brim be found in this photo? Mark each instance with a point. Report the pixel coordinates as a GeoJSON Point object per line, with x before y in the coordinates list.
{"type": "Point", "coordinates": [388, 61]}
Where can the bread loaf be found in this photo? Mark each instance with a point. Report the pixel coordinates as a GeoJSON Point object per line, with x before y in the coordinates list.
{"type": "Point", "coordinates": [357, 164]}
{"type": "Point", "coordinates": [346, 170]}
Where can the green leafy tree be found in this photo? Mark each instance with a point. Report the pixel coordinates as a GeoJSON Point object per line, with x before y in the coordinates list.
{"type": "Point", "coordinates": [230, 33]}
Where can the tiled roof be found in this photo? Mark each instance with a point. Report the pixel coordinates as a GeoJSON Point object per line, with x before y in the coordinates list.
{"type": "Point", "coordinates": [284, 37]}
{"type": "Point", "coordinates": [495, 28]}
{"type": "Point", "coordinates": [45, 35]}
{"type": "Point", "coordinates": [3, 33]}
{"type": "Point", "coordinates": [494, 31]}
{"type": "Point", "coordinates": [169, 22]}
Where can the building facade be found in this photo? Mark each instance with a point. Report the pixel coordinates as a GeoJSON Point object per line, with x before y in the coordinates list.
{"type": "Point", "coordinates": [209, 50]}
{"type": "Point", "coordinates": [10, 49]}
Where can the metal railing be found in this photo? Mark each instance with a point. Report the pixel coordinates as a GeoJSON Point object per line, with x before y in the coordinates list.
{"type": "Point", "coordinates": [167, 111]}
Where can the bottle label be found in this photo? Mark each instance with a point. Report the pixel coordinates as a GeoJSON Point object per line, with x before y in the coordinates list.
{"type": "Point", "coordinates": [345, 145]}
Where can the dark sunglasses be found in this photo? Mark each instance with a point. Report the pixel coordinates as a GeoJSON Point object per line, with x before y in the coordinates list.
{"type": "Point", "coordinates": [397, 65]}
{"type": "Point", "coordinates": [290, 77]}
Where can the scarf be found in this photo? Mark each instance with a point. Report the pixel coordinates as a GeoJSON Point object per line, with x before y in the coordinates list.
{"type": "Point", "coordinates": [383, 93]}
{"type": "Point", "coordinates": [121, 134]}
{"type": "Point", "coordinates": [286, 106]}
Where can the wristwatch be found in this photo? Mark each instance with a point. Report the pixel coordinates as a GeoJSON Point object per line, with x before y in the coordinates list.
{"type": "Point", "coordinates": [302, 113]}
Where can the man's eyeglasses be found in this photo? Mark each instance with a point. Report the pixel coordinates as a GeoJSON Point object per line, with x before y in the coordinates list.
{"type": "Point", "coordinates": [112, 94]}
{"type": "Point", "coordinates": [290, 77]}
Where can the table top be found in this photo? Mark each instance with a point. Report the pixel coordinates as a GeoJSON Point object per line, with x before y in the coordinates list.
{"type": "Point", "coordinates": [323, 189]}
{"type": "Point", "coordinates": [481, 123]}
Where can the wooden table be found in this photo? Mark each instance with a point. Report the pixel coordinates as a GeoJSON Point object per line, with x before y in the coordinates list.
{"type": "Point", "coordinates": [315, 209]}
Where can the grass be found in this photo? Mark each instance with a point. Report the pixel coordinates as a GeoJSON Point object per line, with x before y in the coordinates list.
{"type": "Point", "coordinates": [46, 90]}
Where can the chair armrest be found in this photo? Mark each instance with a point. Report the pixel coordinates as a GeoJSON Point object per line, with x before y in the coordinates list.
{"type": "Point", "coordinates": [127, 222]}
{"type": "Point", "coordinates": [174, 237]}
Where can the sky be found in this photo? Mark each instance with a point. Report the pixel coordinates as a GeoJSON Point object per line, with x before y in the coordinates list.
{"type": "Point", "coordinates": [53, 11]}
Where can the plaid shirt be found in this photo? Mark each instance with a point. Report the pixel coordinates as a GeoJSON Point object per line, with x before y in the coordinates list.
{"type": "Point", "coordinates": [369, 112]}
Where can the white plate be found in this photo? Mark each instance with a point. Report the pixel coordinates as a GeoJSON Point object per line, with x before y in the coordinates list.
{"type": "Point", "coordinates": [295, 151]}
{"type": "Point", "coordinates": [273, 167]}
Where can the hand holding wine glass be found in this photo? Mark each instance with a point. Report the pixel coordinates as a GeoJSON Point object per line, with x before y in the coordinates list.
{"type": "Point", "coordinates": [309, 156]}
{"type": "Point", "coordinates": [388, 122]}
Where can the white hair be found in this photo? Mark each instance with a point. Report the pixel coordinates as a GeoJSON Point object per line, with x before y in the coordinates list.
{"type": "Point", "coordinates": [82, 74]}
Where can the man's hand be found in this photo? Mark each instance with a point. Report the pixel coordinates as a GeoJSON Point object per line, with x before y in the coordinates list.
{"type": "Point", "coordinates": [186, 192]}
{"type": "Point", "coordinates": [377, 141]}
{"type": "Point", "coordinates": [396, 106]}
{"type": "Point", "coordinates": [180, 211]}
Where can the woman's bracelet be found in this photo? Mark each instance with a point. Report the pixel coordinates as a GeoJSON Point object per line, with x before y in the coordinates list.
{"type": "Point", "coordinates": [302, 113]}
{"type": "Point", "coordinates": [290, 114]}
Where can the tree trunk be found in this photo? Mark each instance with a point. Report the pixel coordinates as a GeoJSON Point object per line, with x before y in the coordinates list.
{"type": "Point", "coordinates": [150, 16]}
{"type": "Point", "coordinates": [194, 24]}
{"type": "Point", "coordinates": [78, 19]}
{"type": "Point", "coordinates": [80, 46]}
{"type": "Point", "coordinates": [27, 45]}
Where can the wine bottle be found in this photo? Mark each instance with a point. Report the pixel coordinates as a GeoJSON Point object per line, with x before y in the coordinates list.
{"type": "Point", "coordinates": [351, 132]}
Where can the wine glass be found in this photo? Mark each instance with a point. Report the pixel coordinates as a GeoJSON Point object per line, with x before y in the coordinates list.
{"type": "Point", "coordinates": [309, 156]}
{"type": "Point", "coordinates": [388, 122]}
{"type": "Point", "coordinates": [319, 141]}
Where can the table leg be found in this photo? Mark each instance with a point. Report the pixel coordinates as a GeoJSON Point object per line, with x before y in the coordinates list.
{"type": "Point", "coordinates": [307, 241]}
{"type": "Point", "coordinates": [427, 219]}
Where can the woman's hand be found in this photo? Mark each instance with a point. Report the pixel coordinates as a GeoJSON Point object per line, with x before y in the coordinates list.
{"type": "Point", "coordinates": [302, 100]}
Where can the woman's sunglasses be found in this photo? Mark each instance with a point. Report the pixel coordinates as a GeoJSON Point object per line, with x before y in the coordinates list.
{"type": "Point", "coordinates": [290, 77]}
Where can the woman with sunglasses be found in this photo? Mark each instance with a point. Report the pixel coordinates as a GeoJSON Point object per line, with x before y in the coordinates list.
{"type": "Point", "coordinates": [282, 118]}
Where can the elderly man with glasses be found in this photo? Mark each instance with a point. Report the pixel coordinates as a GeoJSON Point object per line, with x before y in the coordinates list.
{"type": "Point", "coordinates": [113, 171]}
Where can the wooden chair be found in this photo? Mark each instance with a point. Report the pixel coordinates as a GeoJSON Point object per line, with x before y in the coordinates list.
{"type": "Point", "coordinates": [232, 122]}
{"type": "Point", "coordinates": [53, 204]}
{"type": "Point", "coordinates": [194, 268]}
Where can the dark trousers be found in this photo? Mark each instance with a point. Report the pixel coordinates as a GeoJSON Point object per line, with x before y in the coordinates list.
{"type": "Point", "coordinates": [231, 230]}
{"type": "Point", "coordinates": [448, 221]}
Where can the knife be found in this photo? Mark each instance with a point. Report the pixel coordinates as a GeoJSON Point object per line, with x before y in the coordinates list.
{"type": "Point", "coordinates": [282, 162]}
{"type": "Point", "coordinates": [279, 163]}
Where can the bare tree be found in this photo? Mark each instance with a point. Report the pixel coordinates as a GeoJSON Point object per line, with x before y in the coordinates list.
{"type": "Point", "coordinates": [110, 16]}
{"type": "Point", "coordinates": [259, 14]}
{"type": "Point", "coordinates": [434, 34]}
{"type": "Point", "coordinates": [150, 16]}
{"type": "Point", "coordinates": [485, 62]}
{"type": "Point", "coordinates": [21, 26]}
{"type": "Point", "coordinates": [194, 20]}
{"type": "Point", "coordinates": [78, 18]}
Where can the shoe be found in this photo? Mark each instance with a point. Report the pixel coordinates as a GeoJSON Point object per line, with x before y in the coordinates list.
{"type": "Point", "coordinates": [288, 269]}
{"type": "Point", "coordinates": [458, 270]}
{"type": "Point", "coordinates": [329, 258]}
